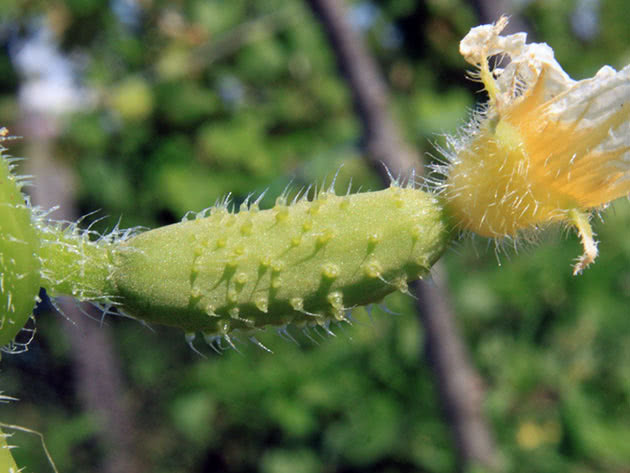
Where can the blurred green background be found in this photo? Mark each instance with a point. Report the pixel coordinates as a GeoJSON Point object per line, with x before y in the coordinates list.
{"type": "Point", "coordinates": [160, 108]}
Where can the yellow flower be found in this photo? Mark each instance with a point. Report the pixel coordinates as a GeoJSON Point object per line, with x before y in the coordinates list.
{"type": "Point", "coordinates": [546, 148]}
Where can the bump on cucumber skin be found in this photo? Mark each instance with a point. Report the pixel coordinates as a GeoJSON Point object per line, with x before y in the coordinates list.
{"type": "Point", "coordinates": [19, 256]}
{"type": "Point", "coordinates": [305, 263]}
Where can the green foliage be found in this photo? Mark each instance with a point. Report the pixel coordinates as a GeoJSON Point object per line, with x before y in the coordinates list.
{"type": "Point", "coordinates": [552, 349]}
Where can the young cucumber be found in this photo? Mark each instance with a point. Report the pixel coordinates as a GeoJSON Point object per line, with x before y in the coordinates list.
{"type": "Point", "coordinates": [304, 263]}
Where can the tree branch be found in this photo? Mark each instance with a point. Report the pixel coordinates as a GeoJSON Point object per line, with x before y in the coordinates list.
{"type": "Point", "coordinates": [380, 138]}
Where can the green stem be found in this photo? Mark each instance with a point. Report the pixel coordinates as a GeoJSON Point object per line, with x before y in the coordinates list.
{"type": "Point", "coordinates": [72, 264]}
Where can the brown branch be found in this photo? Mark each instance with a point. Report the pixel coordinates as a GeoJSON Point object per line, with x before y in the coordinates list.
{"type": "Point", "coordinates": [460, 391]}
{"type": "Point", "coordinates": [380, 138]}
{"type": "Point", "coordinates": [460, 387]}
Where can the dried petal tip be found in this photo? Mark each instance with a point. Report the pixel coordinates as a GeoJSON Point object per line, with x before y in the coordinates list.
{"type": "Point", "coordinates": [546, 148]}
{"type": "Point", "coordinates": [583, 227]}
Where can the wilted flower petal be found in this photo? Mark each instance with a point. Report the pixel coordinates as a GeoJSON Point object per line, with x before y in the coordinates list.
{"type": "Point", "coordinates": [546, 148]}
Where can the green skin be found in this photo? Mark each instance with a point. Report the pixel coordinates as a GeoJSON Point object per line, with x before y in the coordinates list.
{"type": "Point", "coordinates": [302, 264]}
{"type": "Point", "coordinates": [19, 258]}
{"type": "Point", "coordinates": [7, 463]}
